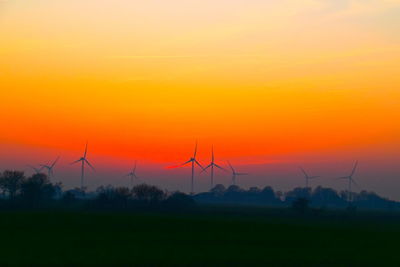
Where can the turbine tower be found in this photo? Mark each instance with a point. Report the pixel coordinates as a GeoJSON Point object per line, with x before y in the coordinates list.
{"type": "Point", "coordinates": [193, 161]}
{"type": "Point", "coordinates": [132, 174]}
{"type": "Point", "coordinates": [307, 177]}
{"type": "Point", "coordinates": [50, 168]}
{"type": "Point", "coordinates": [234, 174]}
{"type": "Point", "coordinates": [212, 165]}
{"type": "Point", "coordinates": [84, 161]}
{"type": "Point", "coordinates": [350, 181]}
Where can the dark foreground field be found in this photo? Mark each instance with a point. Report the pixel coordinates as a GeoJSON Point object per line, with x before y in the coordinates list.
{"type": "Point", "coordinates": [209, 236]}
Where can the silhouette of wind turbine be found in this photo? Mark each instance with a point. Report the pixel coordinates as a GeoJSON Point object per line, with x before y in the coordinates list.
{"type": "Point", "coordinates": [212, 165]}
{"type": "Point", "coordinates": [234, 174]}
{"type": "Point", "coordinates": [307, 177]}
{"type": "Point", "coordinates": [132, 174]}
{"type": "Point", "coordinates": [50, 168]}
{"type": "Point", "coordinates": [193, 161]}
{"type": "Point", "coordinates": [350, 180]}
{"type": "Point", "coordinates": [83, 160]}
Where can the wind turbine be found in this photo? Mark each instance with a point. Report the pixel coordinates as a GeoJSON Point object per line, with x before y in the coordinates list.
{"type": "Point", "coordinates": [132, 174]}
{"type": "Point", "coordinates": [307, 176]}
{"type": "Point", "coordinates": [234, 174]}
{"type": "Point", "coordinates": [83, 160]}
{"type": "Point", "coordinates": [193, 161]}
{"type": "Point", "coordinates": [350, 179]}
{"type": "Point", "coordinates": [212, 165]}
{"type": "Point", "coordinates": [50, 167]}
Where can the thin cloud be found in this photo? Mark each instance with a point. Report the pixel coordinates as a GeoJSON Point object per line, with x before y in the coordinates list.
{"type": "Point", "coordinates": [361, 7]}
{"type": "Point", "coordinates": [185, 56]}
{"type": "Point", "coordinates": [157, 56]}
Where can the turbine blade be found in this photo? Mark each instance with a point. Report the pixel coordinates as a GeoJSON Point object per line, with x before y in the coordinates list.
{"type": "Point", "coordinates": [84, 155]}
{"type": "Point", "coordinates": [185, 163]}
{"type": "Point", "coordinates": [241, 173]}
{"type": "Point", "coordinates": [181, 165]}
{"type": "Point", "coordinates": [90, 165]}
{"type": "Point", "coordinates": [195, 151]}
{"type": "Point", "coordinates": [354, 169]}
{"type": "Point", "coordinates": [54, 163]}
{"type": "Point", "coordinates": [75, 161]}
{"type": "Point", "coordinates": [230, 165]}
{"type": "Point", "coordinates": [304, 172]}
{"type": "Point", "coordinates": [221, 168]}
{"type": "Point", "coordinates": [35, 169]}
{"type": "Point", "coordinates": [198, 164]}
{"type": "Point", "coordinates": [354, 182]}
{"type": "Point", "coordinates": [134, 168]}
{"type": "Point", "coordinates": [212, 154]}
{"type": "Point", "coordinates": [205, 169]}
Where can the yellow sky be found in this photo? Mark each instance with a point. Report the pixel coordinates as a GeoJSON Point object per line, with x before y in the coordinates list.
{"type": "Point", "coordinates": [138, 78]}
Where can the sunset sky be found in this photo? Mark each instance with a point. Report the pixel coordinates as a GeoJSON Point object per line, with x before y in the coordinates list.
{"type": "Point", "coordinates": [271, 84]}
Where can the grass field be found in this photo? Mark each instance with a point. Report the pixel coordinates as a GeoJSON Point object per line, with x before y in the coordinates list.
{"type": "Point", "coordinates": [209, 236]}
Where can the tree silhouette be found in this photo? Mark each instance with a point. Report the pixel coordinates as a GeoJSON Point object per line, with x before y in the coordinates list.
{"type": "Point", "coordinates": [147, 193]}
{"type": "Point", "coordinates": [37, 188]}
{"type": "Point", "coordinates": [254, 190]}
{"type": "Point", "coordinates": [113, 197]}
{"type": "Point", "coordinates": [233, 188]}
{"type": "Point", "coordinates": [11, 181]}
{"type": "Point", "coordinates": [326, 197]}
{"type": "Point", "coordinates": [268, 193]}
{"type": "Point", "coordinates": [122, 195]}
{"type": "Point", "coordinates": [219, 189]}
{"type": "Point", "coordinates": [298, 192]}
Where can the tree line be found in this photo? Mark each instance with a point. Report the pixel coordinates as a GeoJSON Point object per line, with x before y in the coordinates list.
{"type": "Point", "coordinates": [37, 190]}
{"type": "Point", "coordinates": [320, 197]}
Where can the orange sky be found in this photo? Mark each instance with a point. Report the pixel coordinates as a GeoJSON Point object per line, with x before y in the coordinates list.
{"type": "Point", "coordinates": [144, 79]}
